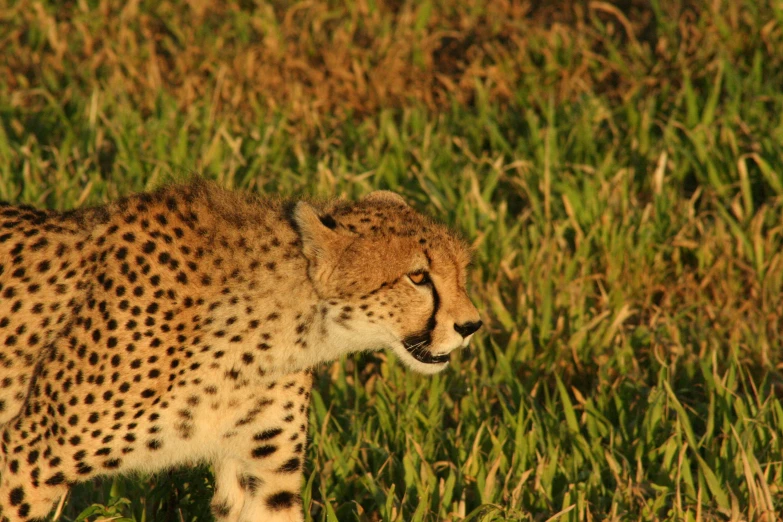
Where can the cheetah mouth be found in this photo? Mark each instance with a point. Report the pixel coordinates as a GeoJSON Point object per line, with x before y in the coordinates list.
{"type": "Point", "coordinates": [417, 345]}
{"type": "Point", "coordinates": [428, 358]}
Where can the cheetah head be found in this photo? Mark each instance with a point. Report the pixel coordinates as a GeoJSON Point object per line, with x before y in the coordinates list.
{"type": "Point", "coordinates": [393, 278]}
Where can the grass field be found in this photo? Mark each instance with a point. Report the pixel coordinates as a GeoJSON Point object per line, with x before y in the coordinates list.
{"type": "Point", "coordinates": [618, 168]}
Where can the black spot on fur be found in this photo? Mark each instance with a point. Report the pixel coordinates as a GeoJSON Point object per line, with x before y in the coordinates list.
{"type": "Point", "coordinates": [290, 466]}
{"type": "Point", "coordinates": [112, 464]}
{"type": "Point", "coordinates": [282, 500]}
{"type": "Point", "coordinates": [267, 435]}
{"type": "Point", "coordinates": [250, 483]}
{"type": "Point", "coordinates": [17, 496]}
{"type": "Point", "coordinates": [263, 451]}
{"type": "Point", "coordinates": [329, 222]}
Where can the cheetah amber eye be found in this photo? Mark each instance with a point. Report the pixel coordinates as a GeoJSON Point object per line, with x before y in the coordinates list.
{"type": "Point", "coordinates": [419, 278]}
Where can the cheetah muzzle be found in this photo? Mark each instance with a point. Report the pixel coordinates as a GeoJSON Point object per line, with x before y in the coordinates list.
{"type": "Point", "coordinates": [183, 325]}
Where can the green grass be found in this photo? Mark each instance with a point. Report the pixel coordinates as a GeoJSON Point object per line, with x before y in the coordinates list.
{"type": "Point", "coordinates": [619, 173]}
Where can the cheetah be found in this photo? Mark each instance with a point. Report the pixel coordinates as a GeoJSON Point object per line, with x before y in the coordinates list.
{"type": "Point", "coordinates": [182, 326]}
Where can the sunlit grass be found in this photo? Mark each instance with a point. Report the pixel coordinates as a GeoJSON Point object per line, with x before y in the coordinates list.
{"type": "Point", "coordinates": [624, 195]}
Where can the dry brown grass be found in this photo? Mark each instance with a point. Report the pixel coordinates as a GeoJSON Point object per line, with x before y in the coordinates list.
{"type": "Point", "coordinates": [316, 60]}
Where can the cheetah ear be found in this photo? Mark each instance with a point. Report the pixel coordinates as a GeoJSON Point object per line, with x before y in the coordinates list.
{"type": "Point", "coordinates": [321, 244]}
{"type": "Point", "coordinates": [385, 196]}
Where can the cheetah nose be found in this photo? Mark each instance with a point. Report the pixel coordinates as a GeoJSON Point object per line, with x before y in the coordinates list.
{"type": "Point", "coordinates": [466, 329]}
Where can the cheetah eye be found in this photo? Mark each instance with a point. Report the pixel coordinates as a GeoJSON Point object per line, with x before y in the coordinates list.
{"type": "Point", "coordinates": [419, 277]}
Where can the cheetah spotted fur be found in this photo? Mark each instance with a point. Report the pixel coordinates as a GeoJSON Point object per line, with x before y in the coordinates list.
{"type": "Point", "coordinates": [181, 326]}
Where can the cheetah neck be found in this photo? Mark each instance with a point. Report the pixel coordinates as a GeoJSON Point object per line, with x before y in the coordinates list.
{"type": "Point", "coordinates": [273, 322]}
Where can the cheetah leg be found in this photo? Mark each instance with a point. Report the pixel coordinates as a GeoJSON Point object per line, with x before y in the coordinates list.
{"type": "Point", "coordinates": [228, 497]}
{"type": "Point", "coordinates": [271, 495]}
{"type": "Point", "coordinates": [261, 480]}
{"type": "Point", "coordinates": [252, 492]}
{"type": "Point", "coordinates": [28, 487]}
{"type": "Point", "coordinates": [259, 476]}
